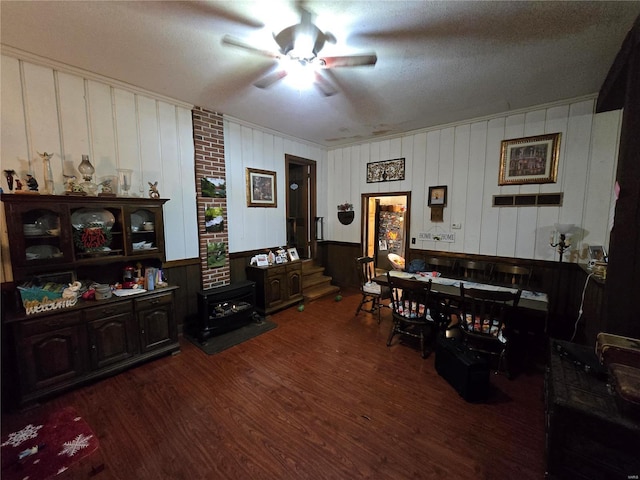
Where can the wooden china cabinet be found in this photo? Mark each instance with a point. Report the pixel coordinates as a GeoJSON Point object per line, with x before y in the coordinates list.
{"type": "Point", "coordinates": [55, 236]}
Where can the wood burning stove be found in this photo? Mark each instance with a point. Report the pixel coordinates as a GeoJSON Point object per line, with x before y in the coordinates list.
{"type": "Point", "coordinates": [225, 308]}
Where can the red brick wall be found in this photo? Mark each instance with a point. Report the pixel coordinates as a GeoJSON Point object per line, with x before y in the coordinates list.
{"type": "Point", "coordinates": [208, 138]}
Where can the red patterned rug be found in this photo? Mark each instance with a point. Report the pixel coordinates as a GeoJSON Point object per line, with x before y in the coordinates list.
{"type": "Point", "coordinates": [49, 448]}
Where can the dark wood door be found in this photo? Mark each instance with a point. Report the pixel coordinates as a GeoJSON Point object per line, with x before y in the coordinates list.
{"type": "Point", "coordinates": [157, 326]}
{"type": "Point", "coordinates": [52, 358]}
{"type": "Point", "coordinates": [112, 340]}
{"type": "Point", "coordinates": [275, 291]}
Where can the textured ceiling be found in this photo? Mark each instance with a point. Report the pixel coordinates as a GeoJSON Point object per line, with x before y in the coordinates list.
{"type": "Point", "coordinates": [438, 62]}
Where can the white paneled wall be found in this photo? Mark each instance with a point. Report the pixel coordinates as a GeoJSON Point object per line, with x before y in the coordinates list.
{"type": "Point", "coordinates": [465, 157]}
{"type": "Point", "coordinates": [250, 146]}
{"type": "Point", "coordinates": [67, 112]}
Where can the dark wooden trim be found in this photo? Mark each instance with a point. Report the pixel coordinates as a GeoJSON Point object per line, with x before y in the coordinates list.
{"type": "Point", "coordinates": [181, 263]}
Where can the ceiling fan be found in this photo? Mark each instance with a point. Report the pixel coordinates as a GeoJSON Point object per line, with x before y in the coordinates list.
{"type": "Point", "coordinates": [299, 49]}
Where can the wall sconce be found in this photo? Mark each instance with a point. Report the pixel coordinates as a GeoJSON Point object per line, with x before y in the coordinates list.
{"type": "Point", "coordinates": [559, 238]}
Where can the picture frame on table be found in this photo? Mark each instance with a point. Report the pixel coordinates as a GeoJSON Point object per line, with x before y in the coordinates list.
{"type": "Point", "coordinates": [597, 253]}
{"type": "Point", "coordinates": [529, 160]}
{"type": "Point", "coordinates": [438, 196]}
{"type": "Point", "coordinates": [261, 188]}
{"type": "Point", "coordinates": [293, 254]}
{"type": "Point", "coordinates": [262, 260]}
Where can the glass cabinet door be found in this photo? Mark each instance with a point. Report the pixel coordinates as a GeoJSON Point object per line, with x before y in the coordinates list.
{"type": "Point", "coordinates": [40, 240]}
{"type": "Point", "coordinates": [97, 232]}
{"type": "Point", "coordinates": [145, 230]}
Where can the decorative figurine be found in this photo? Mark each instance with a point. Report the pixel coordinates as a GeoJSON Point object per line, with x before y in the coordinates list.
{"type": "Point", "coordinates": [32, 183]}
{"type": "Point", "coordinates": [69, 182]}
{"type": "Point", "coordinates": [18, 184]}
{"type": "Point", "coordinates": [9, 176]}
{"type": "Point", "coordinates": [48, 174]}
{"type": "Point", "coordinates": [153, 190]}
{"type": "Point", "coordinates": [107, 188]}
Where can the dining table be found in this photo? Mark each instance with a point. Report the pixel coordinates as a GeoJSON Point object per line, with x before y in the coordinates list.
{"type": "Point", "coordinates": [450, 288]}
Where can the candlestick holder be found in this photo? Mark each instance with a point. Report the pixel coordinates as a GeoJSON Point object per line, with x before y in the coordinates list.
{"type": "Point", "coordinates": [559, 239]}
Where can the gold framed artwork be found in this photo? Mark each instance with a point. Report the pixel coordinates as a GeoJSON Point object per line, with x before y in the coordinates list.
{"type": "Point", "coordinates": [529, 160]}
{"type": "Point", "coordinates": [261, 188]}
{"type": "Point", "coordinates": [437, 196]}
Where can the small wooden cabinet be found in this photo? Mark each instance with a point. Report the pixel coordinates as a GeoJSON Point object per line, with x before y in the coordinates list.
{"type": "Point", "coordinates": [587, 435]}
{"type": "Point", "coordinates": [277, 286]}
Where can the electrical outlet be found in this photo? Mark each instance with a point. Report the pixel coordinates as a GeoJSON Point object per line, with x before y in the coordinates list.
{"type": "Point", "coordinates": [456, 226]}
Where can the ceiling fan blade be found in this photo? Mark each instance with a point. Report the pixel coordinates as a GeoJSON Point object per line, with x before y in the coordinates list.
{"type": "Point", "coordinates": [270, 79]}
{"type": "Point", "coordinates": [350, 61]}
{"type": "Point", "coordinates": [234, 42]}
{"type": "Point", "coordinates": [325, 86]}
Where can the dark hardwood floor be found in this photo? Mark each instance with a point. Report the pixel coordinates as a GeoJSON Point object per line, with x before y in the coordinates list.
{"type": "Point", "coordinates": [319, 397]}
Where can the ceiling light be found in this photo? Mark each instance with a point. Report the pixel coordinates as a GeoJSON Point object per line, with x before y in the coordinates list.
{"type": "Point", "coordinates": [300, 73]}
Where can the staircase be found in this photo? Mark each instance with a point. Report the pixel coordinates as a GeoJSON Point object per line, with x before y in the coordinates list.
{"type": "Point", "coordinates": [315, 284]}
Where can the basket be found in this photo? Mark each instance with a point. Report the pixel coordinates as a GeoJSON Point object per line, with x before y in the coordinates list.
{"type": "Point", "coordinates": [38, 299]}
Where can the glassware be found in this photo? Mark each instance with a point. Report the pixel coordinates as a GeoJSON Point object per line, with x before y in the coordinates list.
{"type": "Point", "coordinates": [124, 179]}
{"type": "Point", "coordinates": [86, 170]}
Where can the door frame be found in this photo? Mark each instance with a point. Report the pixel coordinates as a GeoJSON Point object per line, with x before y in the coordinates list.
{"type": "Point", "coordinates": [311, 199]}
{"type": "Point", "coordinates": [364, 207]}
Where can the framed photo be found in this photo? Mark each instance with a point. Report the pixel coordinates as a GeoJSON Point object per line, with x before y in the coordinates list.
{"type": "Point", "coordinates": [293, 254]}
{"type": "Point", "coordinates": [438, 196]}
{"type": "Point", "coordinates": [262, 260]}
{"type": "Point", "coordinates": [597, 253]}
{"type": "Point", "coordinates": [529, 160]}
{"type": "Point", "coordinates": [213, 187]}
{"type": "Point", "coordinates": [385, 171]}
{"type": "Point", "coordinates": [261, 188]}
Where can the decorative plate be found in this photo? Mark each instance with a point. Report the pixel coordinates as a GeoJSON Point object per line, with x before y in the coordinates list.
{"type": "Point", "coordinates": [89, 217]}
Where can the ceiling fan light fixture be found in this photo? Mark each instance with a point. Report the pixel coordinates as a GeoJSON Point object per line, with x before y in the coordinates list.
{"type": "Point", "coordinates": [300, 73]}
{"type": "Point", "coordinates": [303, 47]}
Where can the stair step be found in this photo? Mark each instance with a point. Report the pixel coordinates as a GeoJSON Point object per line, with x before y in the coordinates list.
{"type": "Point", "coordinates": [308, 282]}
{"type": "Point", "coordinates": [320, 291]}
{"type": "Point", "coordinates": [312, 269]}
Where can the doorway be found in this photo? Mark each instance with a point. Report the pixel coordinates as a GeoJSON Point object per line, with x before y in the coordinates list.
{"type": "Point", "coordinates": [301, 204]}
{"type": "Point", "coordinates": [385, 226]}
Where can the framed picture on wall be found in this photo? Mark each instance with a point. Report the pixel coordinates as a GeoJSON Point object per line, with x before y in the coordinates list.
{"type": "Point", "coordinates": [438, 196]}
{"type": "Point", "coordinates": [261, 188]}
{"type": "Point", "coordinates": [529, 160]}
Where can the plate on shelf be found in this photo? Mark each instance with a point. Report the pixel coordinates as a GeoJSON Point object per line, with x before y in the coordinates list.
{"type": "Point", "coordinates": [42, 251]}
{"type": "Point", "coordinates": [86, 217]}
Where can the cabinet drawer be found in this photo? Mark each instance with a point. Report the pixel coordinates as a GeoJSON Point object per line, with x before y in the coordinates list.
{"type": "Point", "coordinates": [51, 322]}
{"type": "Point", "coordinates": [276, 270]}
{"type": "Point", "coordinates": [108, 310]}
{"type": "Point", "coordinates": [151, 302]}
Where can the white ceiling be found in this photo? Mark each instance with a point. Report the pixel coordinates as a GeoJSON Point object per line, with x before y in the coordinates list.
{"type": "Point", "coordinates": [438, 62]}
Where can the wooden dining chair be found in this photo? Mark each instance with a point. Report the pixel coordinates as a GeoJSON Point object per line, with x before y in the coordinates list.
{"type": "Point", "coordinates": [372, 292]}
{"type": "Point", "coordinates": [515, 275]}
{"type": "Point", "coordinates": [484, 321]}
{"type": "Point", "coordinates": [475, 270]}
{"type": "Point", "coordinates": [414, 309]}
{"type": "Point", "coordinates": [442, 265]}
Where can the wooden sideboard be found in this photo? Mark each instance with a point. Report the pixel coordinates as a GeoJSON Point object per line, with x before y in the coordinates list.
{"type": "Point", "coordinates": [54, 352]}
{"type": "Point", "coordinates": [277, 286]}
